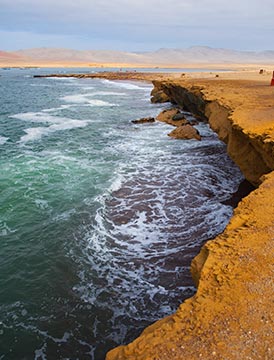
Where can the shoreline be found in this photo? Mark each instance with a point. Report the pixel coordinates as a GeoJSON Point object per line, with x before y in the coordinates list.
{"type": "Point", "coordinates": [229, 66]}
{"type": "Point", "coordinates": [228, 315]}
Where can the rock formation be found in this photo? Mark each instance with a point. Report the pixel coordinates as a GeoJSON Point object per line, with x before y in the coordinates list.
{"type": "Point", "coordinates": [173, 117]}
{"type": "Point", "coordinates": [231, 315]}
{"type": "Point", "coordinates": [185, 132]}
{"type": "Point", "coordinates": [143, 120]}
{"type": "Point", "coordinates": [159, 96]}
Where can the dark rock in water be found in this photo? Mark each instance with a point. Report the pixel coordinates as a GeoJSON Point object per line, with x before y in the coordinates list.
{"type": "Point", "coordinates": [144, 120]}
{"type": "Point", "coordinates": [185, 132]}
{"type": "Point", "coordinates": [194, 121]}
{"type": "Point", "coordinates": [168, 116]}
{"type": "Point", "coordinates": [179, 116]}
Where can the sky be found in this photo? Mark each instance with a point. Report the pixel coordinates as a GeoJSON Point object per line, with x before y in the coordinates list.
{"type": "Point", "coordinates": [136, 25]}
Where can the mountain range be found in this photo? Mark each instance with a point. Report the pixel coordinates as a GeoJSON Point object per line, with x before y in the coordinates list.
{"type": "Point", "coordinates": [192, 55]}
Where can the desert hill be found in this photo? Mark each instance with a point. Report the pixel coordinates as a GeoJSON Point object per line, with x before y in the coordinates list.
{"type": "Point", "coordinates": [193, 55]}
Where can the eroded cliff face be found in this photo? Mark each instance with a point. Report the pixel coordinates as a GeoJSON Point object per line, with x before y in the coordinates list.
{"type": "Point", "coordinates": [231, 315]}
{"type": "Point", "coordinates": [252, 152]}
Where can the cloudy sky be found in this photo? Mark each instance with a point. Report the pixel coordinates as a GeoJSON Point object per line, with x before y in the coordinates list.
{"type": "Point", "coordinates": [136, 25]}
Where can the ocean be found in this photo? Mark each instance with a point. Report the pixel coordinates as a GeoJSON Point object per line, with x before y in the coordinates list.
{"type": "Point", "coordinates": [99, 217]}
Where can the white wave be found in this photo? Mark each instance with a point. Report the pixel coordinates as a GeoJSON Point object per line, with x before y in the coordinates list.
{"type": "Point", "coordinates": [3, 140]}
{"type": "Point", "coordinates": [38, 117]}
{"type": "Point", "coordinates": [107, 93]}
{"type": "Point", "coordinates": [36, 133]}
{"type": "Point", "coordinates": [71, 124]}
{"type": "Point", "coordinates": [64, 216]}
{"type": "Point", "coordinates": [41, 117]}
{"type": "Point", "coordinates": [96, 102]}
{"type": "Point", "coordinates": [62, 107]}
{"type": "Point", "coordinates": [85, 99]}
{"type": "Point", "coordinates": [77, 99]}
{"type": "Point", "coordinates": [88, 87]}
{"type": "Point", "coordinates": [126, 85]}
{"type": "Point", "coordinates": [55, 123]}
{"type": "Point", "coordinates": [117, 183]}
{"type": "Point", "coordinates": [41, 204]}
{"type": "Point", "coordinates": [40, 85]}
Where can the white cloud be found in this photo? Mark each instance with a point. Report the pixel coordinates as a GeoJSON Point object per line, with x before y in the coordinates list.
{"type": "Point", "coordinates": [140, 21]}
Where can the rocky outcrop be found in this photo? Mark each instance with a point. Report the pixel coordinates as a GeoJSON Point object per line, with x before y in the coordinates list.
{"type": "Point", "coordinates": [159, 96]}
{"type": "Point", "coordinates": [231, 315]}
{"type": "Point", "coordinates": [185, 132]}
{"type": "Point", "coordinates": [143, 120]}
{"type": "Point", "coordinates": [189, 99]}
{"type": "Point", "coordinates": [252, 151]}
{"type": "Point", "coordinates": [173, 117]}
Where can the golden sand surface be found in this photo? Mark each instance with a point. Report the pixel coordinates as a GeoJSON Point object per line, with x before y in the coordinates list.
{"type": "Point", "coordinates": [72, 64]}
{"type": "Point", "coordinates": [231, 315]}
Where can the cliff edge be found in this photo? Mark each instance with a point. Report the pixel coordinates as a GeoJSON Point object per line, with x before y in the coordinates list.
{"type": "Point", "coordinates": [231, 315]}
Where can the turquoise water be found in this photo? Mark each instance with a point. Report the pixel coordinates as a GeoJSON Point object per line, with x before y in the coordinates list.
{"type": "Point", "coordinates": [99, 218]}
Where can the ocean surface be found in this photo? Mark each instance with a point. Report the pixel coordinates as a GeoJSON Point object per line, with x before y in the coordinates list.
{"type": "Point", "coordinates": [99, 218]}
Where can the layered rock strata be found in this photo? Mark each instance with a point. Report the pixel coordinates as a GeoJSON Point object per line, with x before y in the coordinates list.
{"type": "Point", "coordinates": [231, 315]}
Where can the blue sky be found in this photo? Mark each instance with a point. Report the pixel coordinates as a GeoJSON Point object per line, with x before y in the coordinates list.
{"type": "Point", "coordinates": [136, 25]}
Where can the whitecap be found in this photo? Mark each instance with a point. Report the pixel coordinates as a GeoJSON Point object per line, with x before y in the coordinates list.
{"type": "Point", "coordinates": [38, 117]}
{"type": "Point", "coordinates": [33, 134]}
{"type": "Point", "coordinates": [62, 107]}
{"type": "Point", "coordinates": [96, 102]}
{"type": "Point", "coordinates": [41, 204]}
{"type": "Point", "coordinates": [108, 93]}
{"type": "Point", "coordinates": [64, 216]}
{"type": "Point", "coordinates": [3, 140]}
{"type": "Point", "coordinates": [84, 99]}
{"type": "Point", "coordinates": [70, 124]}
{"type": "Point", "coordinates": [77, 98]}
{"type": "Point", "coordinates": [41, 117]}
{"type": "Point", "coordinates": [126, 85]}
{"type": "Point", "coordinates": [37, 132]}
{"type": "Point", "coordinates": [88, 87]}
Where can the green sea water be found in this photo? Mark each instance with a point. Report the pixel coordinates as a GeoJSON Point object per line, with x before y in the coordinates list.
{"type": "Point", "coordinates": [99, 218]}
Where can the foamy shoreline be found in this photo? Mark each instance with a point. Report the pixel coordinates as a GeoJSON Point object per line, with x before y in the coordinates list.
{"type": "Point", "coordinates": [231, 311]}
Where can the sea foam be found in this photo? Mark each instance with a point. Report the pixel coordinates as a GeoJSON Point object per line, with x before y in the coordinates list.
{"type": "Point", "coordinates": [125, 85]}
{"type": "Point", "coordinates": [55, 123]}
{"type": "Point", "coordinates": [85, 99]}
{"type": "Point", "coordinates": [3, 140]}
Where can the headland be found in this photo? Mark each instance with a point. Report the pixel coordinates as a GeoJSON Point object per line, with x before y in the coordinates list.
{"type": "Point", "coordinates": [231, 315]}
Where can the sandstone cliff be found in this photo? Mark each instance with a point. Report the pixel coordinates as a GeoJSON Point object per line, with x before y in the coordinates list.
{"type": "Point", "coordinates": [231, 315]}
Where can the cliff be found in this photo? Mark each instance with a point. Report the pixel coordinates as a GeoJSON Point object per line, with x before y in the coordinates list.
{"type": "Point", "coordinates": [231, 315]}
{"type": "Point", "coordinates": [241, 112]}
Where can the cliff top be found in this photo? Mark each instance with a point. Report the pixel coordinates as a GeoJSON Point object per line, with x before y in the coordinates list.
{"type": "Point", "coordinates": [252, 101]}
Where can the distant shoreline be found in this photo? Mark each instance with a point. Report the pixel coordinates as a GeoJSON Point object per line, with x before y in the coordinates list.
{"type": "Point", "coordinates": [190, 66]}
